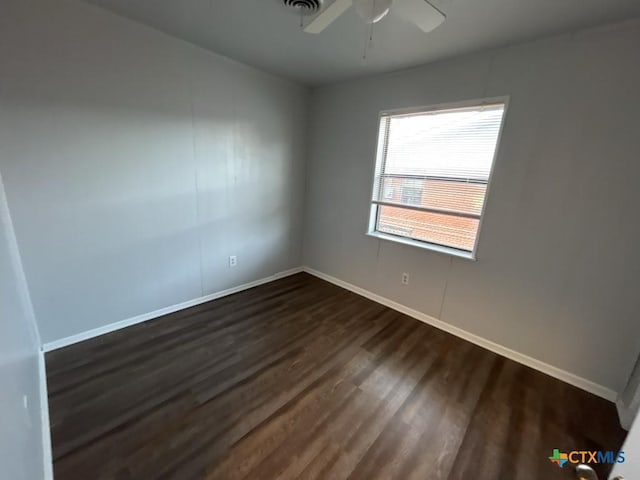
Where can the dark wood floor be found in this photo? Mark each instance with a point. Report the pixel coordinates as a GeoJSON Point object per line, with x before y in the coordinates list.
{"type": "Point", "coordinates": [301, 379]}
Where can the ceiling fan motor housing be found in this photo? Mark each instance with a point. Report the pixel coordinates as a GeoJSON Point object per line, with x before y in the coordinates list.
{"type": "Point", "coordinates": [307, 7]}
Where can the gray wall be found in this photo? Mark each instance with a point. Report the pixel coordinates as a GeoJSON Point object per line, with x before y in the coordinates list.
{"type": "Point", "coordinates": [21, 452]}
{"type": "Point", "coordinates": [135, 164]}
{"type": "Point", "coordinates": [629, 400]}
{"type": "Point", "coordinates": [557, 270]}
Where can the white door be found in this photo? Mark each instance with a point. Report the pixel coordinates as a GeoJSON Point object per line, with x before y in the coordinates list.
{"type": "Point", "coordinates": [630, 469]}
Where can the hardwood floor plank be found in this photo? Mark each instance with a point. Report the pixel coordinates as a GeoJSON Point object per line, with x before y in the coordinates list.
{"type": "Point", "coordinates": [301, 379]}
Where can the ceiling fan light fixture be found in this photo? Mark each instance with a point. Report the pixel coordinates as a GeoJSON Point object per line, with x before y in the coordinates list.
{"type": "Point", "coordinates": [305, 7]}
{"type": "Point", "coordinates": [372, 11]}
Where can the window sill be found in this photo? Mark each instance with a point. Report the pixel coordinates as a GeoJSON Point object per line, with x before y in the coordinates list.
{"type": "Point", "coordinates": [424, 245]}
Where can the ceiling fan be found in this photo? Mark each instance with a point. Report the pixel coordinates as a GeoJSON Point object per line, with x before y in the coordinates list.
{"type": "Point", "coordinates": [424, 14]}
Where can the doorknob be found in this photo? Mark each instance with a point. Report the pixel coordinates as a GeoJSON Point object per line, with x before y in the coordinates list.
{"type": "Point", "coordinates": [585, 472]}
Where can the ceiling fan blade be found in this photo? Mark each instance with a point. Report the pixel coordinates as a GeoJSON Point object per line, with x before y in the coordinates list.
{"type": "Point", "coordinates": [328, 16]}
{"type": "Point", "coordinates": [421, 12]}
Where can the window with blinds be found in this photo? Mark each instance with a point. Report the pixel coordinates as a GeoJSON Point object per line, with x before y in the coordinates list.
{"type": "Point", "coordinates": [432, 174]}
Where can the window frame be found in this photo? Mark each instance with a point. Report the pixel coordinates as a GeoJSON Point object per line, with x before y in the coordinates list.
{"type": "Point", "coordinates": [374, 209]}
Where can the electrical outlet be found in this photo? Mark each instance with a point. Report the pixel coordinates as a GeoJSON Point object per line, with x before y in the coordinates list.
{"type": "Point", "coordinates": [233, 261]}
{"type": "Point", "coordinates": [405, 278]}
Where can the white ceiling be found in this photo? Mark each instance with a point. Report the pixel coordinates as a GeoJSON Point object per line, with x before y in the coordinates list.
{"type": "Point", "coordinates": [263, 33]}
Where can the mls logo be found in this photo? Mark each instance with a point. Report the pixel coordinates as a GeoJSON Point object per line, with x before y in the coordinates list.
{"type": "Point", "coordinates": [559, 458]}
{"type": "Point", "coordinates": [586, 457]}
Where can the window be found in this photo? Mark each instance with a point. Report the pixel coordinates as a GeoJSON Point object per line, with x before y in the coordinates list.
{"type": "Point", "coordinates": [388, 191]}
{"type": "Point", "coordinates": [411, 191]}
{"type": "Point", "coordinates": [432, 175]}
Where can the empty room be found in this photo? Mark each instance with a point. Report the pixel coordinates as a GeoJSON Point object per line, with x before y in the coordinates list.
{"type": "Point", "coordinates": [319, 239]}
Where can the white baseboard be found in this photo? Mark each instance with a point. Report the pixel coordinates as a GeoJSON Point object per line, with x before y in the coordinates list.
{"type": "Point", "coordinates": [47, 454]}
{"type": "Point", "coordinates": [625, 414]}
{"type": "Point", "coordinates": [543, 367]}
{"type": "Point", "coordinates": [112, 327]}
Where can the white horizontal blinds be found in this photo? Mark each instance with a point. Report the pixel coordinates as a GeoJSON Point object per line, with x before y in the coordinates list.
{"type": "Point", "coordinates": [436, 165]}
